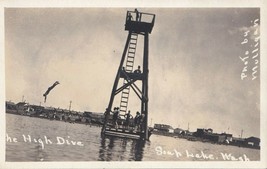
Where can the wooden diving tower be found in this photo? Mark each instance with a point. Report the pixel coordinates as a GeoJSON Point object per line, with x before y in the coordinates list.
{"type": "Point", "coordinates": [137, 24]}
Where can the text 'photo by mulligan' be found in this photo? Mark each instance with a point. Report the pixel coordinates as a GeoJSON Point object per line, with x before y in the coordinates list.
{"type": "Point", "coordinates": [132, 84]}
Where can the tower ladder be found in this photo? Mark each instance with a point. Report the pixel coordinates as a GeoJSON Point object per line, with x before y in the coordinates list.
{"type": "Point", "coordinates": [128, 68]}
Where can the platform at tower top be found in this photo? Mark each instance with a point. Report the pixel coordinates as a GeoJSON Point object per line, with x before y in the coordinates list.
{"type": "Point", "coordinates": [139, 22]}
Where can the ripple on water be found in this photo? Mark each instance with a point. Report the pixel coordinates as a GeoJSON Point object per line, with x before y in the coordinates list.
{"type": "Point", "coordinates": [100, 149]}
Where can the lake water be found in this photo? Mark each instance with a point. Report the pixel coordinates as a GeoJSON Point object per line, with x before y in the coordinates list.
{"type": "Point", "coordinates": [34, 139]}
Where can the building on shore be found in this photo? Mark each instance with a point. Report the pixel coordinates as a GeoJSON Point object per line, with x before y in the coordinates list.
{"type": "Point", "coordinates": [178, 131]}
{"type": "Point", "coordinates": [21, 107]}
{"type": "Point", "coordinates": [11, 107]}
{"type": "Point", "coordinates": [97, 118]}
{"type": "Point", "coordinates": [253, 142]}
{"type": "Point", "coordinates": [238, 141]}
{"type": "Point", "coordinates": [208, 135]}
{"type": "Point", "coordinates": [163, 128]}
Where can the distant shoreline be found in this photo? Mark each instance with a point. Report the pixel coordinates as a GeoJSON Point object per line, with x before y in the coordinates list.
{"type": "Point", "coordinates": [193, 138]}
{"type": "Point", "coordinates": [67, 121]}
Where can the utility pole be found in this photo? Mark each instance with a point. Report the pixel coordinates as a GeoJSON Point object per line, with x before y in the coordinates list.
{"type": "Point", "coordinates": [188, 127]}
{"type": "Point", "coordinates": [22, 98]}
{"type": "Point", "coordinates": [241, 133]}
{"type": "Point", "coordinates": [70, 105]}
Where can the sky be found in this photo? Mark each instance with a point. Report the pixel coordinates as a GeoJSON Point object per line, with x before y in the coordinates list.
{"type": "Point", "coordinates": [195, 63]}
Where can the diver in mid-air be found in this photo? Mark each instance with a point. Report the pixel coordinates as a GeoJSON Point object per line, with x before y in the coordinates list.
{"type": "Point", "coordinates": [49, 89]}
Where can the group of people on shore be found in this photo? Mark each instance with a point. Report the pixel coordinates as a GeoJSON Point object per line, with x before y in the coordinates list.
{"type": "Point", "coordinates": [137, 122]}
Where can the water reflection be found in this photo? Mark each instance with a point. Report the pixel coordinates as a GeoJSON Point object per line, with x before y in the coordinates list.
{"type": "Point", "coordinates": [121, 149]}
{"type": "Point", "coordinates": [137, 150]}
{"type": "Point", "coordinates": [40, 153]}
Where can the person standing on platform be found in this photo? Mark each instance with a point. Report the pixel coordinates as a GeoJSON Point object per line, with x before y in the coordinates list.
{"type": "Point", "coordinates": [129, 18]}
{"type": "Point", "coordinates": [115, 117]}
{"type": "Point", "coordinates": [138, 71]}
{"type": "Point", "coordinates": [137, 120]}
{"type": "Point", "coordinates": [137, 15]}
{"type": "Point", "coordinates": [142, 122]}
{"type": "Point", "coordinates": [128, 116]}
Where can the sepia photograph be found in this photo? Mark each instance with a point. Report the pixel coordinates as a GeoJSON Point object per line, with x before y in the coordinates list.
{"type": "Point", "coordinates": [147, 84]}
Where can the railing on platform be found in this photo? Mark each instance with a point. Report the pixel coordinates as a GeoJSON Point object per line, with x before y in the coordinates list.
{"type": "Point", "coordinates": [140, 17]}
{"type": "Point", "coordinates": [139, 22]}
